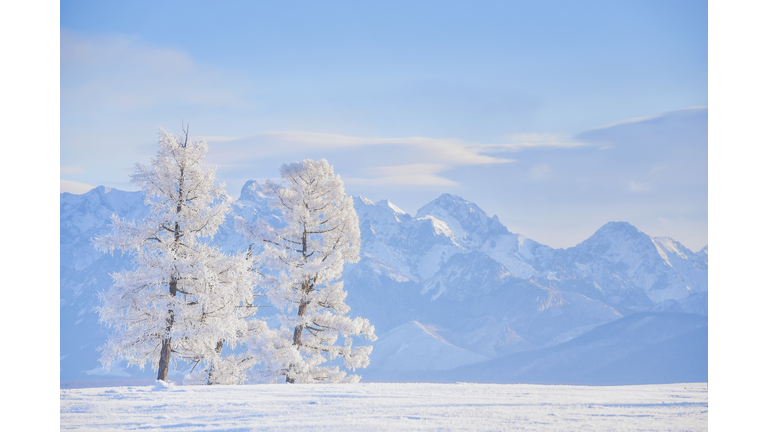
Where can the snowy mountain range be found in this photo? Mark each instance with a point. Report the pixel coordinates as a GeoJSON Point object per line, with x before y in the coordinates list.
{"type": "Point", "coordinates": [452, 293]}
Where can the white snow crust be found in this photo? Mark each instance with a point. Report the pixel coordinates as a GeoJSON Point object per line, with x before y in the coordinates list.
{"type": "Point", "coordinates": [388, 406]}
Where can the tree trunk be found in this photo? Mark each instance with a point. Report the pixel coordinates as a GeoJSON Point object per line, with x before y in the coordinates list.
{"type": "Point", "coordinates": [219, 346]}
{"type": "Point", "coordinates": [303, 306]}
{"type": "Point", "coordinates": [165, 351]}
{"type": "Point", "coordinates": [299, 328]}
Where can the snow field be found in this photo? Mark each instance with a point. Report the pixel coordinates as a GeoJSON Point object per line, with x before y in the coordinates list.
{"type": "Point", "coordinates": [387, 406]}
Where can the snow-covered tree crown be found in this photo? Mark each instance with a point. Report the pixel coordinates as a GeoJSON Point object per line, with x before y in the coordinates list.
{"type": "Point", "coordinates": [182, 185]}
{"type": "Point", "coordinates": [183, 294]}
{"type": "Point", "coordinates": [321, 230]}
{"type": "Point", "coordinates": [180, 189]}
{"type": "Point", "coordinates": [306, 257]}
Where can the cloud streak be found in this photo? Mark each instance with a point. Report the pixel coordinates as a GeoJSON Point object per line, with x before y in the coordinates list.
{"type": "Point", "coordinates": [73, 187]}
{"type": "Point", "coordinates": [120, 73]}
{"type": "Point", "coordinates": [529, 141]}
{"type": "Point", "coordinates": [415, 161]}
{"type": "Point", "coordinates": [403, 175]}
{"type": "Point", "coordinates": [451, 151]}
{"type": "Point", "coordinates": [647, 119]}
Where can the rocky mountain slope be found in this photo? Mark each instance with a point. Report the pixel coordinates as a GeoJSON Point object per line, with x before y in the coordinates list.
{"type": "Point", "coordinates": [445, 288]}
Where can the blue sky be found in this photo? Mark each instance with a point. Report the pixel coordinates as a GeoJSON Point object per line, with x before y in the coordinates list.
{"type": "Point", "coordinates": [556, 116]}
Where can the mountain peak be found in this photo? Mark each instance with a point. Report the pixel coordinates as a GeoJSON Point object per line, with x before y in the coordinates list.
{"type": "Point", "coordinates": [101, 190]}
{"type": "Point", "coordinates": [388, 203]}
{"type": "Point", "coordinates": [447, 198]}
{"type": "Point", "coordinates": [618, 226]}
{"type": "Point", "coordinates": [380, 213]}
{"type": "Point", "coordinates": [614, 234]}
{"type": "Point", "coordinates": [465, 219]}
{"type": "Point", "coordinates": [364, 200]}
{"type": "Point", "coordinates": [455, 205]}
{"type": "Point", "coordinates": [610, 229]}
{"type": "Point", "coordinates": [674, 247]}
{"type": "Point", "coordinates": [249, 192]}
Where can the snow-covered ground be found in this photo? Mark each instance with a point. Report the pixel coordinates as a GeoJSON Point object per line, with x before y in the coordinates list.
{"type": "Point", "coordinates": [384, 406]}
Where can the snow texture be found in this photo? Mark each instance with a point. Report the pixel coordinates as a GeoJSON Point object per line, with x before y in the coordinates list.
{"type": "Point", "coordinates": [378, 406]}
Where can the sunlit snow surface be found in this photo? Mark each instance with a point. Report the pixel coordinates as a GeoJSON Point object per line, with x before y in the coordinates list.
{"type": "Point", "coordinates": [379, 406]}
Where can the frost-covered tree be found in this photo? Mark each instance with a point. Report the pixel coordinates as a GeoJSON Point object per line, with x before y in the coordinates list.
{"type": "Point", "coordinates": [184, 299]}
{"type": "Point", "coordinates": [306, 258]}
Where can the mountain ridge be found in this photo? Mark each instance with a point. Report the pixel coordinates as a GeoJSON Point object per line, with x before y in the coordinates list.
{"type": "Point", "coordinates": [451, 267]}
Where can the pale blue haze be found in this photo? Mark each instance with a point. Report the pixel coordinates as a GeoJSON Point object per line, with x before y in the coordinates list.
{"type": "Point", "coordinates": [490, 101]}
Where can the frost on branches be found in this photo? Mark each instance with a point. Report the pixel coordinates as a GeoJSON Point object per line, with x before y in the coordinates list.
{"type": "Point", "coordinates": [306, 258]}
{"type": "Point", "coordinates": [184, 297]}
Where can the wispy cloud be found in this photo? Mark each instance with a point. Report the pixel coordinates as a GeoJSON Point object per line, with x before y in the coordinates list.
{"type": "Point", "coordinates": [119, 72]}
{"type": "Point", "coordinates": [402, 175]}
{"type": "Point", "coordinates": [215, 139]}
{"type": "Point", "coordinates": [365, 160]}
{"type": "Point", "coordinates": [74, 187]}
{"type": "Point", "coordinates": [417, 161]}
{"type": "Point", "coordinates": [410, 169]}
{"type": "Point", "coordinates": [449, 150]}
{"type": "Point", "coordinates": [410, 180]}
{"type": "Point", "coordinates": [71, 170]}
{"type": "Point", "coordinates": [519, 142]}
{"type": "Point", "coordinates": [651, 118]}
